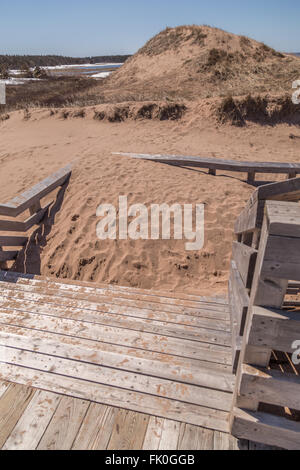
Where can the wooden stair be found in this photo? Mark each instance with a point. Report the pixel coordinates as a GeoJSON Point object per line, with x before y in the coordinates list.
{"type": "Point", "coordinates": [157, 353]}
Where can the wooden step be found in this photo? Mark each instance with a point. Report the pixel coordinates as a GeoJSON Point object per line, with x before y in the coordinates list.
{"type": "Point", "coordinates": [113, 396]}
{"type": "Point", "coordinates": [63, 291]}
{"type": "Point", "coordinates": [117, 378]}
{"type": "Point", "coordinates": [129, 338]}
{"type": "Point", "coordinates": [12, 298]}
{"type": "Point", "coordinates": [180, 369]}
{"type": "Point", "coordinates": [17, 277]}
{"type": "Point", "coordinates": [213, 336]}
{"type": "Point", "coordinates": [115, 293]}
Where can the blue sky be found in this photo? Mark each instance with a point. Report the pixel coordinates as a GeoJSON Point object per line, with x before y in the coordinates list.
{"type": "Point", "coordinates": [96, 27]}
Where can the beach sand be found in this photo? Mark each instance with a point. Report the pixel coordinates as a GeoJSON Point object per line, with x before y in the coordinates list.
{"type": "Point", "coordinates": [67, 246]}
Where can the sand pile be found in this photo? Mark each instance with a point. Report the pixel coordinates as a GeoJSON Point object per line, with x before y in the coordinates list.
{"type": "Point", "coordinates": [66, 245]}
{"type": "Point", "coordinates": [197, 62]}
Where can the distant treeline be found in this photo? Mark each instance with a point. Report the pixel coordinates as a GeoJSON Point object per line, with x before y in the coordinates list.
{"type": "Point", "coordinates": [19, 61]}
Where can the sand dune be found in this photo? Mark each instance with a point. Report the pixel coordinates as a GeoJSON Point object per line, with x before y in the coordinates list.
{"type": "Point", "coordinates": [187, 73]}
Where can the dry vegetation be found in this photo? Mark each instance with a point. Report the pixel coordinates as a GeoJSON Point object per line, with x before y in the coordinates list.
{"type": "Point", "coordinates": [179, 65]}
{"type": "Point", "coordinates": [52, 92]}
{"type": "Point", "coordinates": [266, 110]}
{"type": "Point", "coordinates": [158, 111]}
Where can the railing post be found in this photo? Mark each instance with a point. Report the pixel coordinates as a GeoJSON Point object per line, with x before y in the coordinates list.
{"type": "Point", "coordinates": [265, 292]}
{"type": "Point", "coordinates": [35, 208]}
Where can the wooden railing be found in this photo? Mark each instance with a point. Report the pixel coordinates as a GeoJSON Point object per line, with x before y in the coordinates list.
{"type": "Point", "coordinates": [214, 164]}
{"type": "Point", "coordinates": [266, 258]}
{"type": "Point", "coordinates": [30, 200]}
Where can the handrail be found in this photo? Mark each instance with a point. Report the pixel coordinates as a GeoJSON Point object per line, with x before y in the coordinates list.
{"type": "Point", "coordinates": [214, 164]}
{"type": "Point", "coordinates": [265, 261]}
{"type": "Point", "coordinates": [26, 200]}
{"type": "Point", "coordinates": [30, 199]}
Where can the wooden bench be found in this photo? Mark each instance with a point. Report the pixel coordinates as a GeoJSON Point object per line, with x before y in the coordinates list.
{"type": "Point", "coordinates": [214, 164]}
{"type": "Point", "coordinates": [29, 200]}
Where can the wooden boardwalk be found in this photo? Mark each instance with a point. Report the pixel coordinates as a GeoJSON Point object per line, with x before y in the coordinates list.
{"type": "Point", "coordinates": [165, 356]}
{"type": "Point", "coordinates": [37, 419]}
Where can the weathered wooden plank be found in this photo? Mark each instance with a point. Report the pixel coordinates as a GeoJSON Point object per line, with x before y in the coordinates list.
{"type": "Point", "coordinates": [129, 431]}
{"type": "Point", "coordinates": [169, 435]}
{"type": "Point", "coordinates": [274, 329]}
{"type": "Point", "coordinates": [64, 425]}
{"type": "Point", "coordinates": [96, 428]}
{"type": "Point", "coordinates": [237, 342]}
{"type": "Point", "coordinates": [12, 226]}
{"type": "Point", "coordinates": [3, 387]}
{"type": "Point", "coordinates": [8, 255]}
{"type": "Point", "coordinates": [153, 433]}
{"type": "Point", "coordinates": [26, 200]}
{"type": "Point", "coordinates": [191, 371]}
{"type": "Point", "coordinates": [258, 446]}
{"type": "Point", "coordinates": [239, 302]}
{"type": "Point", "coordinates": [145, 320]}
{"type": "Point", "coordinates": [33, 422]}
{"type": "Point", "coordinates": [13, 241]}
{"type": "Point", "coordinates": [267, 429]}
{"type": "Point", "coordinates": [216, 163]}
{"type": "Point", "coordinates": [250, 219]}
{"type": "Point", "coordinates": [264, 291]}
{"type": "Point", "coordinates": [271, 386]}
{"type": "Point", "coordinates": [245, 259]}
{"type": "Point", "coordinates": [225, 442]}
{"type": "Point", "coordinates": [112, 396]}
{"type": "Point", "coordinates": [118, 378]}
{"type": "Point", "coordinates": [282, 258]}
{"type": "Point", "coordinates": [17, 226]}
{"type": "Point", "coordinates": [178, 298]}
{"type": "Point", "coordinates": [195, 438]}
{"type": "Point", "coordinates": [12, 405]}
{"type": "Point", "coordinates": [288, 190]}
{"type": "Point", "coordinates": [238, 299]}
{"type": "Point", "coordinates": [284, 218]}
{"type": "Point", "coordinates": [252, 215]}
{"type": "Point", "coordinates": [130, 338]}
{"type": "Point", "coordinates": [105, 295]}
{"type": "Point", "coordinates": [192, 332]}
{"type": "Point", "coordinates": [30, 301]}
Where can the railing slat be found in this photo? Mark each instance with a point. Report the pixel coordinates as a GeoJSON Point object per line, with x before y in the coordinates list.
{"type": "Point", "coordinates": [13, 241]}
{"type": "Point", "coordinates": [266, 428]}
{"type": "Point", "coordinates": [271, 386]}
{"type": "Point", "coordinates": [274, 329]}
{"type": "Point", "coordinates": [245, 259]}
{"type": "Point", "coordinates": [250, 219]}
{"type": "Point", "coordinates": [17, 226]}
{"type": "Point", "coordinates": [8, 255]}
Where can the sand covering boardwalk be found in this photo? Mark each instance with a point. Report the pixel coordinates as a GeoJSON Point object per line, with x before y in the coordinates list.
{"type": "Point", "coordinates": [165, 356]}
